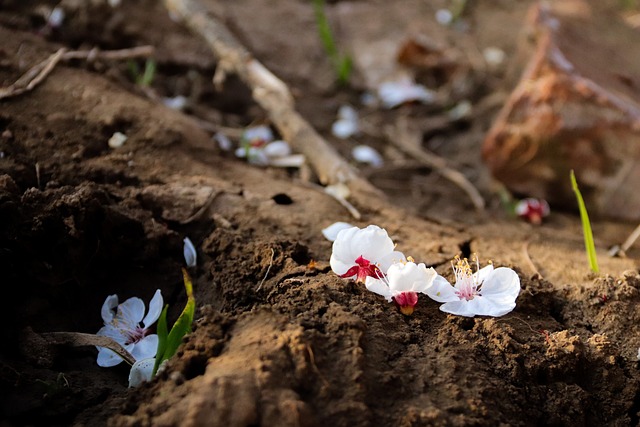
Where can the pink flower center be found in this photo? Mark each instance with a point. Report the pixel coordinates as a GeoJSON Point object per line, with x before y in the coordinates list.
{"type": "Point", "coordinates": [406, 301]}
{"type": "Point", "coordinates": [363, 269]}
{"type": "Point", "coordinates": [135, 335]}
{"type": "Point", "coordinates": [466, 286]}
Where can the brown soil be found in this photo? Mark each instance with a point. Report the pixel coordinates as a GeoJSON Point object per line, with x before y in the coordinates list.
{"type": "Point", "coordinates": [280, 340]}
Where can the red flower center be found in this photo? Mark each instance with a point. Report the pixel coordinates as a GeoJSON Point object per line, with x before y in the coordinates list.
{"type": "Point", "coordinates": [362, 270]}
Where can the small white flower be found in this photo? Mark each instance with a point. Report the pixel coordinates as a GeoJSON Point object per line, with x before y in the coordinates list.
{"type": "Point", "coordinates": [141, 371]}
{"type": "Point", "coordinates": [331, 232]}
{"type": "Point", "coordinates": [122, 324]}
{"type": "Point", "coordinates": [190, 254]}
{"type": "Point", "coordinates": [403, 282]}
{"type": "Point", "coordinates": [394, 93]}
{"type": "Point", "coordinates": [258, 147]}
{"type": "Point", "coordinates": [358, 253]}
{"type": "Point", "coordinates": [487, 292]}
{"type": "Point", "coordinates": [367, 155]}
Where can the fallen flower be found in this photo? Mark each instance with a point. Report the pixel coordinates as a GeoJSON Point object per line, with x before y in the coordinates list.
{"type": "Point", "coordinates": [122, 324]}
{"type": "Point", "coordinates": [361, 253]}
{"type": "Point", "coordinates": [258, 147]}
{"type": "Point", "coordinates": [487, 292]}
{"type": "Point", "coordinates": [402, 284]}
{"type": "Point", "coordinates": [331, 232]}
{"type": "Point", "coordinates": [532, 210]}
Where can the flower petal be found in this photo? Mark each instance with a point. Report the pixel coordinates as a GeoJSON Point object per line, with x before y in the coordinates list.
{"type": "Point", "coordinates": [379, 287]}
{"type": "Point", "coordinates": [155, 308]}
{"type": "Point", "coordinates": [108, 358]}
{"type": "Point", "coordinates": [114, 333]}
{"type": "Point", "coordinates": [331, 232]}
{"type": "Point", "coordinates": [108, 308]}
{"type": "Point", "coordinates": [147, 347]}
{"type": "Point", "coordinates": [460, 308]}
{"type": "Point", "coordinates": [189, 252]}
{"type": "Point", "coordinates": [386, 261]}
{"type": "Point", "coordinates": [131, 312]}
{"type": "Point", "coordinates": [442, 291]}
{"type": "Point", "coordinates": [502, 285]}
{"type": "Point", "coordinates": [483, 274]}
{"type": "Point", "coordinates": [141, 371]}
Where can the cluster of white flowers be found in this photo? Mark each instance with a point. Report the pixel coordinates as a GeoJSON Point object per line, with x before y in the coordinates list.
{"type": "Point", "coordinates": [368, 255]}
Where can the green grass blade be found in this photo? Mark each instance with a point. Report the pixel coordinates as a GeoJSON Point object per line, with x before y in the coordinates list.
{"type": "Point", "coordinates": [162, 338]}
{"type": "Point", "coordinates": [341, 64]}
{"type": "Point", "coordinates": [182, 325]}
{"type": "Point", "coordinates": [586, 226]}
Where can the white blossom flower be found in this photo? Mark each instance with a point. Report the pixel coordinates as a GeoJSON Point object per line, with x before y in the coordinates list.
{"type": "Point", "coordinates": [358, 253]}
{"type": "Point", "coordinates": [532, 210]}
{"type": "Point", "coordinates": [487, 292]}
{"type": "Point", "coordinates": [123, 324]}
{"type": "Point", "coordinates": [402, 284]}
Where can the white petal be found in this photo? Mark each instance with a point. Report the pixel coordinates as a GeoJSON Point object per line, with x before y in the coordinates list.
{"type": "Point", "coordinates": [108, 308]}
{"type": "Point", "coordinates": [386, 261]}
{"type": "Point", "coordinates": [503, 283]}
{"type": "Point", "coordinates": [256, 156]}
{"type": "Point", "coordinates": [108, 358]}
{"type": "Point", "coordinates": [117, 140]}
{"type": "Point", "coordinates": [131, 312]}
{"type": "Point", "coordinates": [190, 254]}
{"type": "Point", "coordinates": [176, 103]}
{"type": "Point", "coordinates": [114, 333]}
{"type": "Point", "coordinates": [444, 16]}
{"type": "Point", "coordinates": [331, 232]}
{"type": "Point", "coordinates": [483, 274]}
{"type": "Point", "coordinates": [155, 308]}
{"type": "Point", "coordinates": [344, 129]}
{"type": "Point", "coordinates": [395, 93]}
{"type": "Point", "coordinates": [367, 155]}
{"type": "Point", "coordinates": [147, 347]}
{"type": "Point", "coordinates": [277, 149]}
{"type": "Point", "coordinates": [347, 112]}
{"type": "Point", "coordinates": [223, 141]}
{"type": "Point", "coordinates": [409, 277]}
{"type": "Point", "coordinates": [442, 291]}
{"type": "Point", "coordinates": [379, 287]}
{"type": "Point", "coordinates": [459, 308]}
{"type": "Point", "coordinates": [141, 371]}
{"type": "Point", "coordinates": [241, 152]}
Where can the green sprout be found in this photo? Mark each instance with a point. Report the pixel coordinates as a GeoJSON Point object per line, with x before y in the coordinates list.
{"type": "Point", "coordinates": [143, 78]}
{"type": "Point", "coordinates": [586, 226]}
{"type": "Point", "coordinates": [341, 63]}
{"type": "Point", "coordinates": [168, 342]}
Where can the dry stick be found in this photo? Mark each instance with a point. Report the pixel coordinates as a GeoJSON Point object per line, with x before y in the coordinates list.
{"type": "Point", "coordinates": [631, 239]}
{"type": "Point", "coordinates": [273, 95]}
{"type": "Point", "coordinates": [36, 74]}
{"type": "Point", "coordinates": [409, 143]}
{"type": "Point", "coordinates": [77, 339]}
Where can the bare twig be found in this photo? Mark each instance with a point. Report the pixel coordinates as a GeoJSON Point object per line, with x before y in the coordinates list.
{"type": "Point", "coordinates": [268, 270]}
{"type": "Point", "coordinates": [620, 250]}
{"type": "Point", "coordinates": [77, 339]}
{"type": "Point", "coordinates": [528, 260]}
{"type": "Point", "coordinates": [270, 93]}
{"type": "Point", "coordinates": [36, 74]}
{"type": "Point", "coordinates": [409, 142]}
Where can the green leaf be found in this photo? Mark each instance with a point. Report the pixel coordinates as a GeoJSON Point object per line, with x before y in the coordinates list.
{"type": "Point", "coordinates": [586, 226]}
{"type": "Point", "coordinates": [168, 343]}
{"type": "Point", "coordinates": [162, 338]}
{"type": "Point", "coordinates": [341, 64]}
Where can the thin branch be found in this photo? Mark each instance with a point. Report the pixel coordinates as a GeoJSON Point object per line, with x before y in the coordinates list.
{"type": "Point", "coordinates": [409, 142]}
{"type": "Point", "coordinates": [77, 339]}
{"type": "Point", "coordinates": [271, 94]}
{"type": "Point", "coordinates": [268, 270]}
{"type": "Point", "coordinates": [39, 72]}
